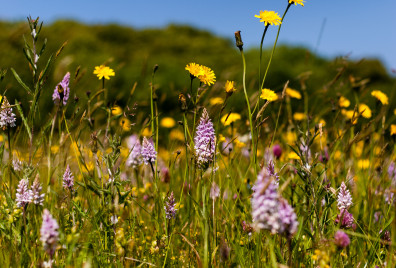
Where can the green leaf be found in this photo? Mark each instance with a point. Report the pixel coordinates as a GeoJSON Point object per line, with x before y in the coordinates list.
{"type": "Point", "coordinates": [23, 118]}
{"type": "Point", "coordinates": [21, 82]}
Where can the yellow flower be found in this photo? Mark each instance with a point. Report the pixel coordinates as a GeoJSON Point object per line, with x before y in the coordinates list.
{"type": "Point", "coordinates": [146, 132]}
{"type": "Point", "coordinates": [168, 122]}
{"type": "Point", "coordinates": [291, 137]}
{"type": "Point", "coordinates": [380, 96]}
{"type": "Point", "coordinates": [268, 94]}
{"type": "Point", "coordinates": [103, 72]}
{"type": "Point", "coordinates": [194, 69]}
{"type": "Point", "coordinates": [125, 123]}
{"type": "Point", "coordinates": [344, 102]}
{"type": "Point", "coordinates": [394, 111]}
{"type": "Point", "coordinates": [363, 163]}
{"type": "Point", "coordinates": [298, 116]}
{"type": "Point", "coordinates": [207, 77]}
{"type": "Point", "coordinates": [393, 130]}
{"type": "Point", "coordinates": [293, 155]}
{"type": "Point", "coordinates": [176, 134]}
{"type": "Point", "coordinates": [300, 2]}
{"type": "Point", "coordinates": [216, 101]}
{"type": "Point", "coordinates": [350, 114]}
{"type": "Point", "coordinates": [269, 17]}
{"type": "Point", "coordinates": [116, 110]}
{"type": "Point", "coordinates": [337, 155]}
{"type": "Point", "coordinates": [230, 87]}
{"type": "Point", "coordinates": [359, 148]}
{"type": "Point", "coordinates": [231, 118]}
{"type": "Point", "coordinates": [364, 110]}
{"type": "Point", "coordinates": [293, 93]}
{"type": "Point", "coordinates": [54, 149]}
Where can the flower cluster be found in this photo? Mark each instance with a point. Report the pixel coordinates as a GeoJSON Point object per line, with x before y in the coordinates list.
{"type": "Point", "coordinates": [37, 196]}
{"type": "Point", "coordinates": [341, 239]}
{"type": "Point", "coordinates": [68, 179]}
{"type": "Point", "coordinates": [49, 235]}
{"type": "Point", "coordinates": [135, 156]}
{"type": "Point", "coordinates": [204, 141]}
{"type": "Point", "coordinates": [344, 201]}
{"type": "Point", "coordinates": [269, 210]}
{"type": "Point", "coordinates": [24, 195]}
{"type": "Point", "coordinates": [170, 207]}
{"type": "Point", "coordinates": [148, 151]}
{"type": "Point", "coordinates": [7, 117]}
{"type": "Point", "coordinates": [62, 90]}
{"type": "Point", "coordinates": [203, 73]}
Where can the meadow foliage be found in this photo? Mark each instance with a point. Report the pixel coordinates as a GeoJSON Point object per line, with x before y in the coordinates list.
{"type": "Point", "coordinates": [260, 159]}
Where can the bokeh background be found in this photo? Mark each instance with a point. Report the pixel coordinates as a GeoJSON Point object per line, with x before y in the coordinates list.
{"type": "Point", "coordinates": [132, 36]}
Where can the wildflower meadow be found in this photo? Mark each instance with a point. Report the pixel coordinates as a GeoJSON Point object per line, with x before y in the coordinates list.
{"type": "Point", "coordinates": [233, 173]}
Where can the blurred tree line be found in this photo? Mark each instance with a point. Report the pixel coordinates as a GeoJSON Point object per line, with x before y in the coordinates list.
{"type": "Point", "coordinates": [133, 53]}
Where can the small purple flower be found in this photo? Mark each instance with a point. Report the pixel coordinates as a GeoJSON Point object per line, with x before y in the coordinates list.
{"type": "Point", "coordinates": [324, 156]}
{"type": "Point", "coordinates": [277, 151]}
{"type": "Point", "coordinates": [38, 198]}
{"type": "Point", "coordinates": [341, 239]}
{"type": "Point", "coordinates": [204, 141]}
{"type": "Point", "coordinates": [148, 151]}
{"type": "Point", "coordinates": [135, 157]}
{"type": "Point", "coordinates": [68, 179]}
{"type": "Point", "coordinates": [170, 210]}
{"type": "Point", "coordinates": [62, 90]}
{"type": "Point", "coordinates": [214, 191]}
{"type": "Point", "coordinates": [49, 233]}
{"type": "Point", "coordinates": [24, 196]}
{"type": "Point", "coordinates": [344, 200]}
{"type": "Point", "coordinates": [7, 117]}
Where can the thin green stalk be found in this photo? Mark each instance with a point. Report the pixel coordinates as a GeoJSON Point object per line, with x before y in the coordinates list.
{"type": "Point", "coordinates": [249, 111]}
{"type": "Point", "coordinates": [273, 48]}
{"type": "Point", "coordinates": [261, 51]}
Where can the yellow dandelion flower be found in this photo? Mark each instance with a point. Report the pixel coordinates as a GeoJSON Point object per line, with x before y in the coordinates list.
{"type": "Point", "coordinates": [349, 114]}
{"type": "Point", "coordinates": [229, 119]}
{"type": "Point", "coordinates": [344, 102]}
{"type": "Point", "coordinates": [394, 111]}
{"type": "Point", "coordinates": [221, 138]}
{"type": "Point", "coordinates": [337, 155]}
{"type": "Point", "coordinates": [216, 101]}
{"type": "Point", "coordinates": [54, 149]}
{"type": "Point", "coordinates": [380, 96]}
{"type": "Point", "coordinates": [293, 155]}
{"type": "Point", "coordinates": [359, 148]}
{"type": "Point", "coordinates": [295, 2]}
{"type": "Point", "coordinates": [146, 132]}
{"type": "Point", "coordinates": [291, 137]}
{"type": "Point", "coordinates": [167, 122]}
{"type": "Point", "coordinates": [176, 134]}
{"type": "Point", "coordinates": [363, 163]}
{"type": "Point", "coordinates": [293, 93]}
{"type": "Point", "coordinates": [1, 137]}
{"type": "Point", "coordinates": [103, 72]}
{"type": "Point", "coordinates": [298, 116]}
{"type": "Point", "coordinates": [268, 94]}
{"type": "Point", "coordinates": [269, 17]}
{"type": "Point", "coordinates": [125, 123]}
{"type": "Point", "coordinates": [116, 110]}
{"type": "Point", "coordinates": [239, 143]}
{"type": "Point", "coordinates": [194, 69]}
{"type": "Point", "coordinates": [207, 76]}
{"type": "Point", "coordinates": [393, 130]}
{"type": "Point", "coordinates": [230, 87]}
{"type": "Point", "coordinates": [364, 110]}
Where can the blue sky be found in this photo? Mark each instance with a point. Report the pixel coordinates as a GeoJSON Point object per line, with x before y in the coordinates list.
{"type": "Point", "coordinates": [358, 28]}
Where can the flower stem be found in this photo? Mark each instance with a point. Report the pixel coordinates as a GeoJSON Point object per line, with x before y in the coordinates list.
{"type": "Point", "coordinates": [261, 51]}
{"type": "Point", "coordinates": [273, 48]}
{"type": "Point", "coordinates": [249, 111]}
